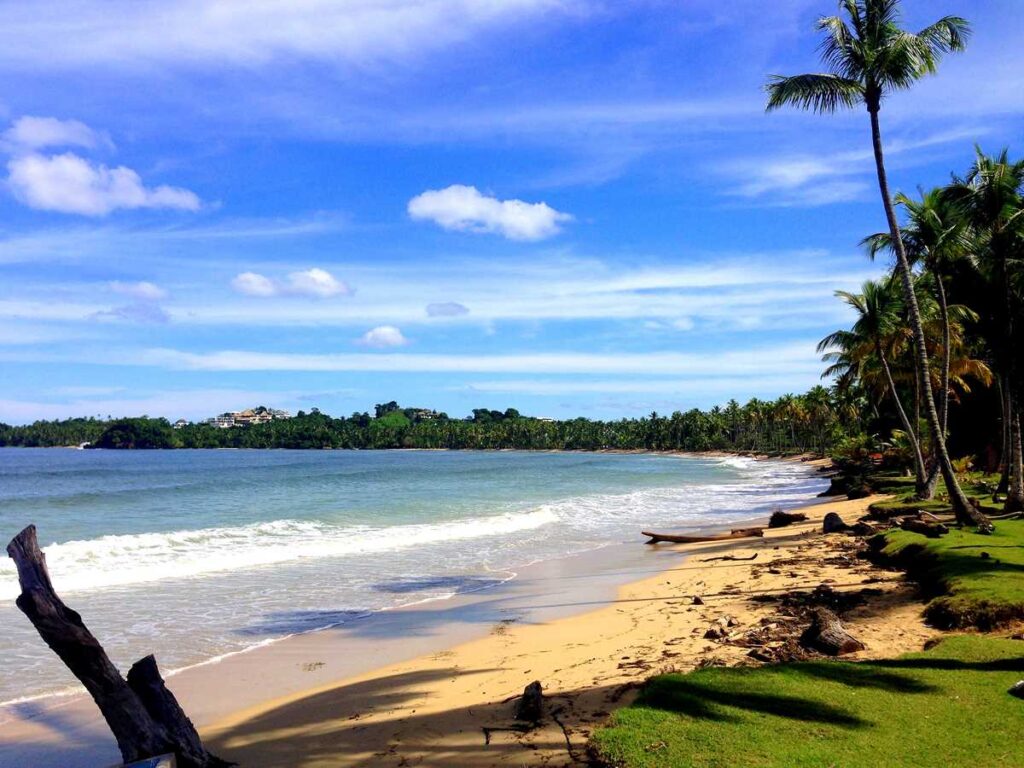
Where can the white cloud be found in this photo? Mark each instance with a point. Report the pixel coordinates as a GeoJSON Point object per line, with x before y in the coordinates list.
{"type": "Point", "coordinates": [310, 282]}
{"type": "Point", "coordinates": [71, 184]}
{"type": "Point", "coordinates": [317, 282]}
{"type": "Point", "coordinates": [463, 208]}
{"type": "Point", "coordinates": [48, 34]}
{"type": "Point", "coordinates": [143, 290]}
{"type": "Point", "coordinates": [39, 132]}
{"type": "Point", "coordinates": [383, 336]}
{"type": "Point", "coordinates": [798, 356]}
{"type": "Point", "coordinates": [254, 284]}
{"type": "Point", "coordinates": [447, 309]}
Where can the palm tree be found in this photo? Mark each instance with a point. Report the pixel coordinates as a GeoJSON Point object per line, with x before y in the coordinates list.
{"type": "Point", "coordinates": [992, 198]}
{"type": "Point", "coordinates": [868, 61]}
{"type": "Point", "coordinates": [872, 338]}
{"type": "Point", "coordinates": [936, 235]}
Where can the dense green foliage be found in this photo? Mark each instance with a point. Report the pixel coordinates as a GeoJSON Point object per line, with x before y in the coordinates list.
{"type": "Point", "coordinates": [810, 422]}
{"type": "Point", "coordinates": [940, 707]}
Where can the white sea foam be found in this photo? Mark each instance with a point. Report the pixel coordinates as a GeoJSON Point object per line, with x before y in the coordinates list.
{"type": "Point", "coordinates": [114, 561]}
{"type": "Point", "coordinates": [124, 560]}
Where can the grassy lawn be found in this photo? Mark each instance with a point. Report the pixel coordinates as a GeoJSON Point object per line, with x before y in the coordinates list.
{"type": "Point", "coordinates": [975, 484]}
{"type": "Point", "coordinates": [971, 589]}
{"type": "Point", "coordinates": [947, 706]}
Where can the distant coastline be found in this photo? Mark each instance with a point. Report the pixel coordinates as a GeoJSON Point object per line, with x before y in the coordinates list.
{"type": "Point", "coordinates": [793, 424]}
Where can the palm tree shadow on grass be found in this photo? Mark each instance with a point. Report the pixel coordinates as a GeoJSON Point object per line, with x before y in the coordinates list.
{"type": "Point", "coordinates": [994, 665]}
{"type": "Point", "coordinates": [686, 696]}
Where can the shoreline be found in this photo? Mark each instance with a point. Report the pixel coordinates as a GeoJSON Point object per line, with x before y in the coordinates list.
{"type": "Point", "coordinates": [435, 709]}
{"type": "Point", "coordinates": [543, 592]}
{"type": "Point", "coordinates": [501, 577]}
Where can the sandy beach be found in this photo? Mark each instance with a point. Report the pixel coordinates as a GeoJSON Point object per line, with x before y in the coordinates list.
{"type": "Point", "coordinates": [454, 707]}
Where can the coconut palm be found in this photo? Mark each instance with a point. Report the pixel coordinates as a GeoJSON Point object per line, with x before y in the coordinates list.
{"type": "Point", "coordinates": [992, 199]}
{"type": "Point", "coordinates": [874, 339]}
{"type": "Point", "coordinates": [869, 58]}
{"type": "Point", "coordinates": [936, 235]}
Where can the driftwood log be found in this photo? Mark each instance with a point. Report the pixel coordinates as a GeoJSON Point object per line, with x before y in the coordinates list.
{"type": "Point", "coordinates": [916, 525]}
{"type": "Point", "coordinates": [728, 558]}
{"type": "Point", "coordinates": [142, 713]}
{"type": "Point", "coordinates": [737, 533]}
{"type": "Point", "coordinates": [780, 519]}
{"type": "Point", "coordinates": [827, 635]}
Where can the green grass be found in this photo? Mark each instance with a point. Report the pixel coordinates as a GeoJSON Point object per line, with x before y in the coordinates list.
{"type": "Point", "coordinates": [969, 589]}
{"type": "Point", "coordinates": [947, 706]}
{"type": "Point", "coordinates": [975, 484]}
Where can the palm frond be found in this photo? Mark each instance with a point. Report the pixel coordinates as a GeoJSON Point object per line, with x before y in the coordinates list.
{"type": "Point", "coordinates": [877, 243]}
{"type": "Point", "coordinates": [947, 35]}
{"type": "Point", "coordinates": [821, 93]}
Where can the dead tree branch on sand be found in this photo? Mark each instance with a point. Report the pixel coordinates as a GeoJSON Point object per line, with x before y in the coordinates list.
{"type": "Point", "coordinates": [142, 713]}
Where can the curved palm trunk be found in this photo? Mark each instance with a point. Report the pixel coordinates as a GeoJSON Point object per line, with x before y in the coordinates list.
{"type": "Point", "coordinates": [911, 435]}
{"type": "Point", "coordinates": [966, 513]}
{"type": "Point", "coordinates": [932, 481]}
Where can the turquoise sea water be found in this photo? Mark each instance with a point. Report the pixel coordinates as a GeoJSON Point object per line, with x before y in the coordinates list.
{"type": "Point", "coordinates": [194, 554]}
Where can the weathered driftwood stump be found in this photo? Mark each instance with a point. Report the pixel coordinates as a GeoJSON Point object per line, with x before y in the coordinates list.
{"type": "Point", "coordinates": [780, 519]}
{"type": "Point", "coordinates": [827, 635]}
{"type": "Point", "coordinates": [833, 523]}
{"type": "Point", "coordinates": [530, 706]}
{"type": "Point", "coordinates": [142, 714]}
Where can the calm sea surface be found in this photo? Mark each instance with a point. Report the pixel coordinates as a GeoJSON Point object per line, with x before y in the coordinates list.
{"type": "Point", "coordinates": [194, 554]}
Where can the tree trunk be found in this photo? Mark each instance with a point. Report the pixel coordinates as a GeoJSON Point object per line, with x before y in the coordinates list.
{"type": "Point", "coordinates": [1015, 492]}
{"type": "Point", "coordinates": [1004, 458]}
{"type": "Point", "coordinates": [140, 731]}
{"type": "Point", "coordinates": [931, 484]}
{"type": "Point", "coordinates": [966, 513]}
{"type": "Point", "coordinates": [911, 434]}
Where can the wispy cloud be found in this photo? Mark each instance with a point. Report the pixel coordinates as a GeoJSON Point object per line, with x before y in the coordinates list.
{"type": "Point", "coordinates": [358, 32]}
{"type": "Point", "coordinates": [755, 361]}
{"type": "Point", "coordinates": [789, 381]}
{"type": "Point", "coordinates": [447, 309]}
{"type": "Point", "coordinates": [804, 180]}
{"type": "Point", "coordinates": [734, 293]}
{"type": "Point", "coordinates": [32, 133]}
{"type": "Point", "coordinates": [138, 312]}
{"type": "Point", "coordinates": [142, 290]}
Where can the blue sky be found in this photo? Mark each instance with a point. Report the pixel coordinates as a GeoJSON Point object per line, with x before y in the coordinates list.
{"type": "Point", "coordinates": [572, 208]}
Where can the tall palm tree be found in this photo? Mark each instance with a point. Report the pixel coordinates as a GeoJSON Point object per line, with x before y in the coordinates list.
{"type": "Point", "coordinates": [868, 59]}
{"type": "Point", "coordinates": [992, 198]}
{"type": "Point", "coordinates": [874, 334]}
{"type": "Point", "coordinates": [936, 235]}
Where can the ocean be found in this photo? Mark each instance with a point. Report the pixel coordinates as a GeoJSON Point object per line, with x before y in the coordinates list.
{"type": "Point", "coordinates": [194, 555]}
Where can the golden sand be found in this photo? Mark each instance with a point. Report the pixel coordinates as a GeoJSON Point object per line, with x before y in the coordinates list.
{"type": "Point", "coordinates": [454, 708]}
